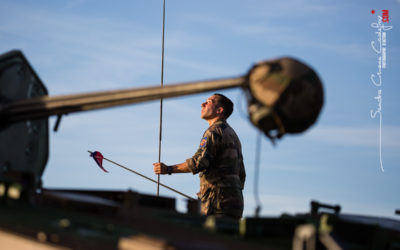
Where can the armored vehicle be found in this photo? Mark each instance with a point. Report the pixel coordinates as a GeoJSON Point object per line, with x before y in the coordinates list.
{"type": "Point", "coordinates": [284, 96]}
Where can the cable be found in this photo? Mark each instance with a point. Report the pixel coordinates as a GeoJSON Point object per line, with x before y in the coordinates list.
{"type": "Point", "coordinates": [161, 100]}
{"type": "Point", "coordinates": [242, 113]}
{"type": "Point", "coordinates": [256, 174]}
{"type": "Point", "coordinates": [256, 160]}
{"type": "Point", "coordinates": [141, 175]}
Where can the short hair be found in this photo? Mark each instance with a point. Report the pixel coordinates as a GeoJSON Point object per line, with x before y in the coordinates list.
{"type": "Point", "coordinates": [226, 104]}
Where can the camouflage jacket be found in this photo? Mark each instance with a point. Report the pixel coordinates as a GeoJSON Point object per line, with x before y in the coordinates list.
{"type": "Point", "coordinates": [219, 162]}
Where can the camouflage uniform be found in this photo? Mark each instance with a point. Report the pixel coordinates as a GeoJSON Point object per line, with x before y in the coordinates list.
{"type": "Point", "coordinates": [219, 161]}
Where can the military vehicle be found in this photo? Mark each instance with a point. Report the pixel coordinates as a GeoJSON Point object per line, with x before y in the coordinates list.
{"type": "Point", "coordinates": [285, 96]}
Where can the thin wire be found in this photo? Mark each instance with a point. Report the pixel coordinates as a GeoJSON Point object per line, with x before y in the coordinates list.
{"type": "Point", "coordinates": [256, 161]}
{"type": "Point", "coordinates": [242, 113]}
{"type": "Point", "coordinates": [133, 171]}
{"type": "Point", "coordinates": [161, 100]}
{"type": "Point", "coordinates": [256, 174]}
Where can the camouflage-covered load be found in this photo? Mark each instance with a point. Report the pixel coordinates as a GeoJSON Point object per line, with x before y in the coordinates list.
{"type": "Point", "coordinates": [284, 95]}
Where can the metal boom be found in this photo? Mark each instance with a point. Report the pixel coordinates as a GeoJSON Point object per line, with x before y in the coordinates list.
{"type": "Point", "coordinates": [44, 106]}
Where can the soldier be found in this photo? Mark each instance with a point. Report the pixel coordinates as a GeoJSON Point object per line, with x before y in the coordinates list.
{"type": "Point", "coordinates": [218, 161]}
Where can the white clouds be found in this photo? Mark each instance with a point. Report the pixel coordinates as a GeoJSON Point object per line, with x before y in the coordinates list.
{"type": "Point", "coordinates": [357, 136]}
{"type": "Point", "coordinates": [74, 49]}
{"type": "Point", "coordinates": [82, 52]}
{"type": "Point", "coordinates": [237, 27]}
{"type": "Point", "coordinates": [292, 8]}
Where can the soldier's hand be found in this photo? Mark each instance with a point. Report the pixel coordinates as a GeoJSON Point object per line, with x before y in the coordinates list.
{"type": "Point", "coordinates": [160, 168]}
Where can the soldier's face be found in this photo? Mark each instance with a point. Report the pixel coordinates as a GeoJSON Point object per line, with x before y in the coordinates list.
{"type": "Point", "coordinates": [209, 108]}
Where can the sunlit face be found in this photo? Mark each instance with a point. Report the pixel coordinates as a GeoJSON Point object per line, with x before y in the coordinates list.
{"type": "Point", "coordinates": [209, 108]}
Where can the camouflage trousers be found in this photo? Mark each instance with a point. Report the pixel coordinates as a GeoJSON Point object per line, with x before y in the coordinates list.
{"type": "Point", "coordinates": [222, 201]}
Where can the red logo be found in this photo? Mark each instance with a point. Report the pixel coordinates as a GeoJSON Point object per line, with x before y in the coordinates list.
{"type": "Point", "coordinates": [385, 16]}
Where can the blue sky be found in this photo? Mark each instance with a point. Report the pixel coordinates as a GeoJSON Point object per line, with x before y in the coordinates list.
{"type": "Point", "coordinates": [86, 45]}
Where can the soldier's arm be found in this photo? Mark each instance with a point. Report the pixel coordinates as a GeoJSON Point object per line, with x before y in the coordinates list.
{"type": "Point", "coordinates": [161, 168]}
{"type": "Point", "coordinates": [181, 168]}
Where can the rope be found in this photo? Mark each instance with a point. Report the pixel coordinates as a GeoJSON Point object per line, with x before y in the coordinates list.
{"type": "Point", "coordinates": [158, 183]}
{"type": "Point", "coordinates": [161, 100]}
{"type": "Point", "coordinates": [256, 174]}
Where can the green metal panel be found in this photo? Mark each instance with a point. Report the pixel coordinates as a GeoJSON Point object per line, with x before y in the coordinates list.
{"type": "Point", "coordinates": [23, 145]}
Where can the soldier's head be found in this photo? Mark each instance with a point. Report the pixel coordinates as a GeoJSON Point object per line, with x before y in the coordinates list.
{"type": "Point", "coordinates": [216, 107]}
{"type": "Point", "coordinates": [225, 103]}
